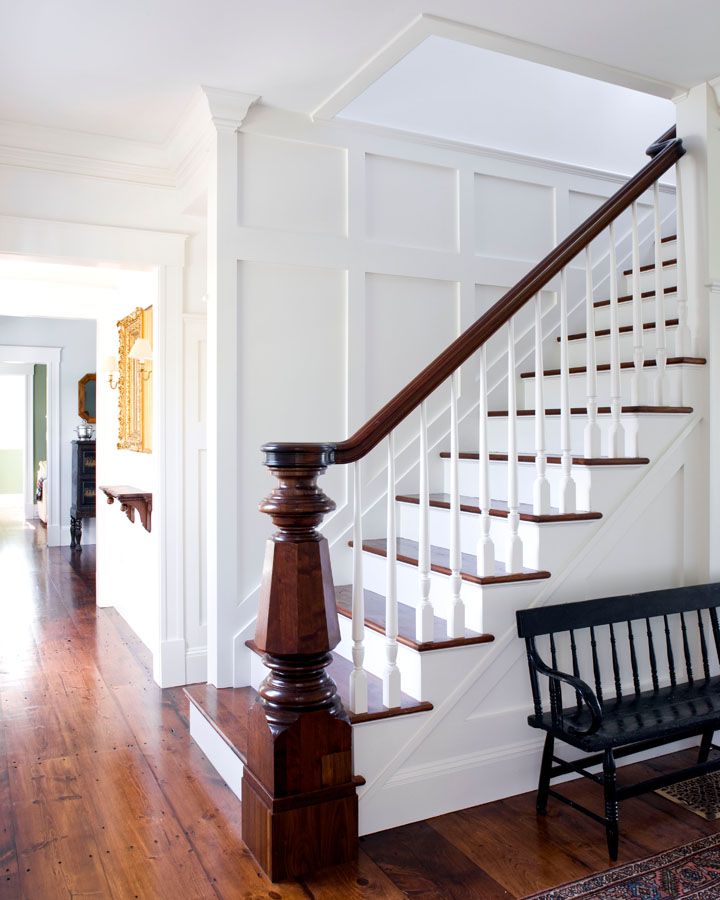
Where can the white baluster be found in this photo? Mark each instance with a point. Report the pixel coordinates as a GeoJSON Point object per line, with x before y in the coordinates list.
{"type": "Point", "coordinates": [660, 349]}
{"type": "Point", "coordinates": [456, 620]}
{"type": "Point", "coordinates": [591, 436]}
{"type": "Point", "coordinates": [638, 389]}
{"type": "Point", "coordinates": [513, 549]}
{"type": "Point", "coordinates": [567, 502]}
{"type": "Point", "coordinates": [485, 547]}
{"type": "Point", "coordinates": [424, 616]}
{"type": "Point", "coordinates": [358, 676]}
{"type": "Point", "coordinates": [616, 433]}
{"type": "Point", "coordinates": [541, 486]}
{"type": "Point", "coordinates": [391, 675]}
{"type": "Point", "coordinates": [683, 336]}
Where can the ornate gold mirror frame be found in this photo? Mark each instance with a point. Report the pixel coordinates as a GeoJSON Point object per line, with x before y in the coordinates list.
{"type": "Point", "coordinates": [134, 390]}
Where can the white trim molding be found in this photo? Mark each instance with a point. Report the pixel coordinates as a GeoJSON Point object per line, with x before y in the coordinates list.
{"type": "Point", "coordinates": [51, 357]}
{"type": "Point", "coordinates": [425, 26]}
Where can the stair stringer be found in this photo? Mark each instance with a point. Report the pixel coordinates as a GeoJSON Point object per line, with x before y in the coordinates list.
{"type": "Point", "coordinates": [434, 772]}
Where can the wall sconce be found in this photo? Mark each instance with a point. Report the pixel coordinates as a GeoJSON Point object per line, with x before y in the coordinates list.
{"type": "Point", "coordinates": [112, 370]}
{"type": "Point", "coordinates": [142, 353]}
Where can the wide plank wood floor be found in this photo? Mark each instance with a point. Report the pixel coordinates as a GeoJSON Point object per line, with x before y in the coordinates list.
{"type": "Point", "coordinates": [104, 794]}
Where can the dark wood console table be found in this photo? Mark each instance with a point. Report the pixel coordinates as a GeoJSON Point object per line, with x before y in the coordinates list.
{"type": "Point", "coordinates": [83, 489]}
{"type": "Point", "coordinates": [131, 500]}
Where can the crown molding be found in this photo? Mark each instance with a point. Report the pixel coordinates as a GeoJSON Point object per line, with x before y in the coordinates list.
{"type": "Point", "coordinates": [167, 165]}
{"type": "Point", "coordinates": [425, 25]}
{"type": "Point", "coordinates": [81, 153]}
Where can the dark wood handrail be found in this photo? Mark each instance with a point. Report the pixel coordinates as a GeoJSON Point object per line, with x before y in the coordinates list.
{"type": "Point", "coordinates": [665, 152]}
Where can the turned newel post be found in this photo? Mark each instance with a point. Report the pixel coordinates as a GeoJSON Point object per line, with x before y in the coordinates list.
{"type": "Point", "coordinates": [299, 796]}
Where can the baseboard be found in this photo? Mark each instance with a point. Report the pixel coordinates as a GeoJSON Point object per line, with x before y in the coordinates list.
{"type": "Point", "coordinates": [456, 782]}
{"type": "Point", "coordinates": [169, 663]}
{"type": "Point", "coordinates": [196, 665]}
{"type": "Point", "coordinates": [227, 764]}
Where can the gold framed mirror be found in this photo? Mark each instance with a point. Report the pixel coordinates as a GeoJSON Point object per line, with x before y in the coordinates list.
{"type": "Point", "coordinates": [134, 384]}
{"type": "Point", "coordinates": [86, 398]}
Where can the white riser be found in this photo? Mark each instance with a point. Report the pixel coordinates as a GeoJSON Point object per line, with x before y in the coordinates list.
{"type": "Point", "coordinates": [488, 608]}
{"type": "Point", "coordinates": [668, 250]}
{"type": "Point", "coordinates": [654, 432]}
{"type": "Point", "coordinates": [544, 546]}
{"type": "Point", "coordinates": [577, 350]}
{"type": "Point", "coordinates": [605, 484]}
{"type": "Point", "coordinates": [227, 764]}
{"type": "Point", "coordinates": [647, 279]}
{"type": "Point", "coordinates": [682, 381]}
{"type": "Point", "coordinates": [625, 313]}
{"type": "Point", "coordinates": [426, 676]}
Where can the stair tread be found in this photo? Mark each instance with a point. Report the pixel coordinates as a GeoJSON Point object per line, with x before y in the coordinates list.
{"type": "Point", "coordinates": [340, 669]}
{"type": "Point", "coordinates": [670, 237]}
{"type": "Point", "coordinates": [648, 267]}
{"type": "Point", "coordinates": [624, 329]}
{"type": "Point", "coordinates": [226, 710]}
{"type": "Point", "coordinates": [554, 458]}
{"type": "Point", "coordinates": [605, 367]}
{"type": "Point", "coordinates": [602, 410]}
{"type": "Point", "coordinates": [500, 508]}
{"type": "Point", "coordinates": [407, 552]}
{"type": "Point", "coordinates": [375, 619]}
{"type": "Point", "coordinates": [626, 298]}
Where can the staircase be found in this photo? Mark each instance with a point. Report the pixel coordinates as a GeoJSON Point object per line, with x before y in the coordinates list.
{"type": "Point", "coordinates": [502, 495]}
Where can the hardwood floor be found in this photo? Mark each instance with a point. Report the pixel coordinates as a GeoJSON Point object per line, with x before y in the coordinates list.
{"type": "Point", "coordinates": [103, 793]}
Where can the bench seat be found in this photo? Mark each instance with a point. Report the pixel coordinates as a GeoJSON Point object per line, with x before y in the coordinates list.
{"type": "Point", "coordinates": [682, 711]}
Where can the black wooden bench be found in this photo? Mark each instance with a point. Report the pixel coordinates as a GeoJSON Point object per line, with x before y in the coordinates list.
{"type": "Point", "coordinates": [673, 637]}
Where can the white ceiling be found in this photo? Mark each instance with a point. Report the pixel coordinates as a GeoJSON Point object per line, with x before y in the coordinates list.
{"type": "Point", "coordinates": [465, 93]}
{"type": "Point", "coordinates": [129, 68]}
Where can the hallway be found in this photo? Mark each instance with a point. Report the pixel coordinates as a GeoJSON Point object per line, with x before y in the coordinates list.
{"type": "Point", "coordinates": [104, 794]}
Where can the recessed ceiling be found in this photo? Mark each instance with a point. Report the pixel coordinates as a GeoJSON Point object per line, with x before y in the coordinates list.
{"type": "Point", "coordinates": [464, 93]}
{"type": "Point", "coordinates": [129, 68]}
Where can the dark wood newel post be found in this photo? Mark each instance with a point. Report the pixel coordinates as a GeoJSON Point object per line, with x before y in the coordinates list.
{"type": "Point", "coordinates": [299, 801]}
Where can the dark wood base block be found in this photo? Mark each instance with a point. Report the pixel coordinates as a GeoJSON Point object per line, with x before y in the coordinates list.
{"type": "Point", "coordinates": [296, 837]}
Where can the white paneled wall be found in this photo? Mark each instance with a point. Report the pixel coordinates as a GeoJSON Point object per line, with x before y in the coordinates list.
{"type": "Point", "coordinates": [360, 255]}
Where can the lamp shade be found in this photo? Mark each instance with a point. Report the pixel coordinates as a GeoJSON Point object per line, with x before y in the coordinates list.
{"type": "Point", "coordinates": [141, 350]}
{"type": "Point", "coordinates": [110, 365]}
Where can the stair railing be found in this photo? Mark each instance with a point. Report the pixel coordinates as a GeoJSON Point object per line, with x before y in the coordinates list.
{"type": "Point", "coordinates": [299, 777]}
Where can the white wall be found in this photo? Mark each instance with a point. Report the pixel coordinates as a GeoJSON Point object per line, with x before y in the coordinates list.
{"type": "Point", "coordinates": [76, 338]}
{"type": "Point", "coordinates": [127, 555]}
{"type": "Point", "coordinates": [350, 259]}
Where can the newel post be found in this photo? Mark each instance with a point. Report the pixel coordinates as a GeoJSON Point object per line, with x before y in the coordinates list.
{"type": "Point", "coordinates": [299, 801]}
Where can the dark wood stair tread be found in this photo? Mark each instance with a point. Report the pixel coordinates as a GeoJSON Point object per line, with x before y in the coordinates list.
{"type": "Point", "coordinates": [499, 508]}
{"type": "Point", "coordinates": [375, 620]}
{"type": "Point", "coordinates": [605, 367]}
{"type": "Point", "coordinates": [340, 669]}
{"type": "Point", "coordinates": [407, 552]}
{"type": "Point", "coordinates": [624, 329]}
{"type": "Point", "coordinates": [626, 298]}
{"type": "Point", "coordinates": [226, 710]}
{"type": "Point", "coordinates": [602, 410]}
{"type": "Point", "coordinates": [648, 267]}
{"type": "Point", "coordinates": [670, 237]}
{"type": "Point", "coordinates": [555, 459]}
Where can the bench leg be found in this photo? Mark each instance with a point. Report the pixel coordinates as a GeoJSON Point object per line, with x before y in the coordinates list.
{"type": "Point", "coordinates": [612, 828]}
{"type": "Point", "coordinates": [544, 783]}
{"type": "Point", "coordinates": [705, 743]}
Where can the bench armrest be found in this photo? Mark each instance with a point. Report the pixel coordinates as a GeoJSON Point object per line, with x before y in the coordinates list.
{"type": "Point", "coordinates": [583, 689]}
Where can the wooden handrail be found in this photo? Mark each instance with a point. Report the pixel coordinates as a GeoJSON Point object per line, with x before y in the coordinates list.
{"type": "Point", "coordinates": [665, 152]}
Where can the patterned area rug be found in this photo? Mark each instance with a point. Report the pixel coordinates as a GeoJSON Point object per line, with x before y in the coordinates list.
{"type": "Point", "coordinates": [692, 871]}
{"type": "Point", "coordinates": [700, 795]}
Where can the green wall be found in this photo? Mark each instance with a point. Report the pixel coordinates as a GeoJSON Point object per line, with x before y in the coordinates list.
{"type": "Point", "coordinates": [39, 417]}
{"type": "Point", "coordinates": [11, 471]}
